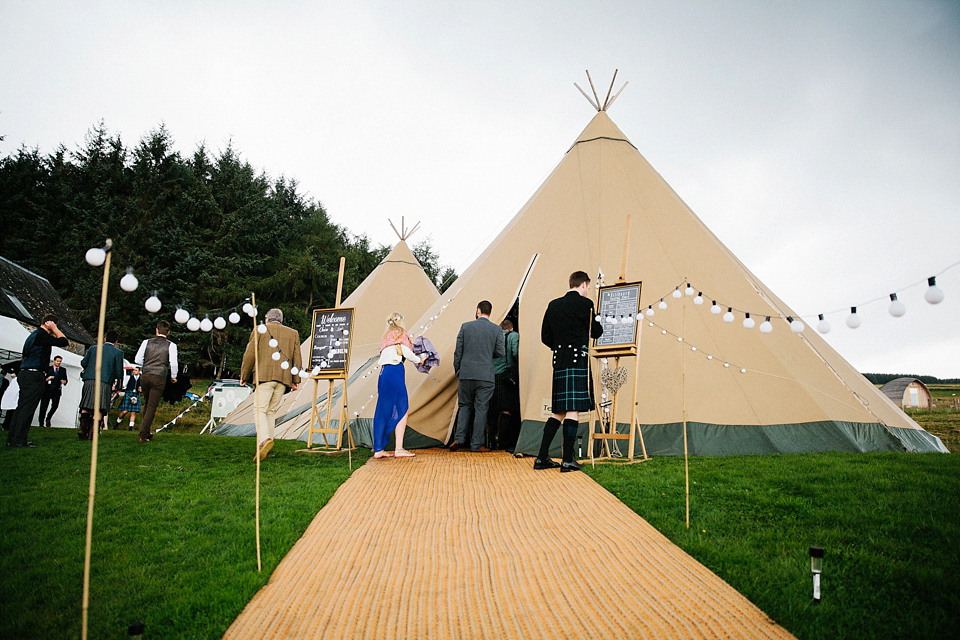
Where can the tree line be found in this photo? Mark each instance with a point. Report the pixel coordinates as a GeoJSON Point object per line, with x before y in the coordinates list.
{"type": "Point", "coordinates": [202, 230]}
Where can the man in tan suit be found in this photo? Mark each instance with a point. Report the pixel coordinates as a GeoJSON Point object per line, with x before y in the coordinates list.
{"type": "Point", "coordinates": [275, 378]}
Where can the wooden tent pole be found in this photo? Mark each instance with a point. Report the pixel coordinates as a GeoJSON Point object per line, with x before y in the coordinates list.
{"type": "Point", "coordinates": [256, 404]}
{"type": "Point", "coordinates": [93, 452]}
{"type": "Point", "coordinates": [683, 386]}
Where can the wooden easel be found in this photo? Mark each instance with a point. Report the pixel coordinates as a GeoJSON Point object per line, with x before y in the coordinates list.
{"type": "Point", "coordinates": [608, 428]}
{"type": "Point", "coordinates": [324, 421]}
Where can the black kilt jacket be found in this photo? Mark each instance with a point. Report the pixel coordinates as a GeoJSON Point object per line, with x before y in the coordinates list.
{"type": "Point", "coordinates": [568, 325]}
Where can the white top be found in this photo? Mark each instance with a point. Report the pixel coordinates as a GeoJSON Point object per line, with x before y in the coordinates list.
{"type": "Point", "coordinates": [390, 355]}
{"type": "Point", "coordinates": [174, 366]}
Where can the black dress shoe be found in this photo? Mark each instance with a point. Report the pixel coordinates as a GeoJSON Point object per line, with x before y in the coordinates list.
{"type": "Point", "coordinates": [569, 466]}
{"type": "Point", "coordinates": [454, 445]}
{"type": "Point", "coordinates": [539, 464]}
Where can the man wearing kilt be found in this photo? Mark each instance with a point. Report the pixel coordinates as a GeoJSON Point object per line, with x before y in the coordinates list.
{"type": "Point", "coordinates": [111, 375]}
{"type": "Point", "coordinates": [568, 325]}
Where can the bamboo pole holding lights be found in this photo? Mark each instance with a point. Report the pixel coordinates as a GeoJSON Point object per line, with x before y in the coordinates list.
{"type": "Point", "coordinates": [96, 429]}
{"type": "Point", "coordinates": [683, 387]}
{"type": "Point", "coordinates": [256, 421]}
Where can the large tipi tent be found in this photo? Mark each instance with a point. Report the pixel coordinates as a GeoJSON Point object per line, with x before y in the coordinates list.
{"type": "Point", "coordinates": [745, 391]}
{"type": "Point", "coordinates": [397, 284]}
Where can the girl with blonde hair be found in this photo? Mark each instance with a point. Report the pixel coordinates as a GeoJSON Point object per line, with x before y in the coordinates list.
{"type": "Point", "coordinates": [392, 403]}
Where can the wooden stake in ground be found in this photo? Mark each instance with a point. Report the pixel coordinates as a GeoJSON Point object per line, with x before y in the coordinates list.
{"type": "Point", "coordinates": [256, 408]}
{"type": "Point", "coordinates": [97, 417]}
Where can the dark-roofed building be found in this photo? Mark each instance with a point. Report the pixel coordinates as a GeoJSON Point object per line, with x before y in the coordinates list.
{"type": "Point", "coordinates": [907, 392]}
{"type": "Point", "coordinates": [27, 297]}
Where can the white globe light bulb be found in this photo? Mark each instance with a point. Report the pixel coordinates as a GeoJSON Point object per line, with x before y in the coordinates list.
{"type": "Point", "coordinates": [275, 355]}
{"type": "Point", "coordinates": [220, 323]}
{"type": "Point", "coordinates": [234, 317]}
{"type": "Point", "coordinates": [193, 324]}
{"type": "Point", "coordinates": [749, 323]}
{"type": "Point", "coordinates": [689, 290]}
{"type": "Point", "coordinates": [715, 309]}
{"type": "Point", "coordinates": [662, 305]}
{"type": "Point", "coordinates": [152, 304]}
{"type": "Point", "coordinates": [698, 300]}
{"type": "Point", "coordinates": [206, 324]}
{"type": "Point", "coordinates": [797, 327]}
{"type": "Point", "coordinates": [933, 294]}
{"type": "Point", "coordinates": [129, 282]}
{"type": "Point", "coordinates": [823, 326]}
{"type": "Point", "coordinates": [853, 320]}
{"type": "Point", "coordinates": [676, 293]}
{"type": "Point", "coordinates": [294, 370]}
{"type": "Point", "coordinates": [897, 308]}
{"type": "Point", "coordinates": [728, 316]}
{"type": "Point", "coordinates": [766, 326]}
{"type": "Point", "coordinates": [284, 365]}
{"type": "Point", "coordinates": [273, 342]}
{"type": "Point", "coordinates": [261, 328]}
{"type": "Point", "coordinates": [650, 311]}
{"type": "Point", "coordinates": [96, 256]}
{"type": "Point", "coordinates": [181, 316]}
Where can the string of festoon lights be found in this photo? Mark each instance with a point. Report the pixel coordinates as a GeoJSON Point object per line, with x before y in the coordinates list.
{"type": "Point", "coordinates": [376, 365]}
{"type": "Point", "coordinates": [933, 295]}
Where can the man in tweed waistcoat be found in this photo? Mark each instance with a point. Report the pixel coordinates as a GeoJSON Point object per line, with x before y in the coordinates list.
{"type": "Point", "coordinates": [274, 378]}
{"type": "Point", "coordinates": [568, 325]}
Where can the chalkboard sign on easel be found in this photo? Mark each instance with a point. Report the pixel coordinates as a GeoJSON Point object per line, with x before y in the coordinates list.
{"type": "Point", "coordinates": [330, 349]}
{"type": "Point", "coordinates": [618, 309]}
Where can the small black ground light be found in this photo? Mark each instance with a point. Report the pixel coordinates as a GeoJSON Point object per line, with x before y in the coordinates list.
{"type": "Point", "coordinates": [816, 566]}
{"type": "Point", "coordinates": [135, 630]}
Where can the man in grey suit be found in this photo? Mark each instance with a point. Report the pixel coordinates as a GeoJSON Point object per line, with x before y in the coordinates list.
{"type": "Point", "coordinates": [478, 343]}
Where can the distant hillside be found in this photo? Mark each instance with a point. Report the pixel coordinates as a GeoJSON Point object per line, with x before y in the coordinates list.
{"type": "Point", "coordinates": [884, 378]}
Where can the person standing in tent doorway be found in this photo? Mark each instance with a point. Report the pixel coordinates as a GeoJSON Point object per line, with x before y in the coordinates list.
{"type": "Point", "coordinates": [131, 399]}
{"type": "Point", "coordinates": [478, 343]}
{"type": "Point", "coordinates": [56, 381]}
{"type": "Point", "coordinates": [32, 377]}
{"type": "Point", "coordinates": [392, 402]}
{"type": "Point", "coordinates": [277, 346]}
{"type": "Point", "coordinates": [157, 358]}
{"type": "Point", "coordinates": [568, 325]}
{"type": "Point", "coordinates": [505, 407]}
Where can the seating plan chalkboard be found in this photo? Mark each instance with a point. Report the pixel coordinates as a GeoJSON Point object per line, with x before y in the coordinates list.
{"type": "Point", "coordinates": [618, 309]}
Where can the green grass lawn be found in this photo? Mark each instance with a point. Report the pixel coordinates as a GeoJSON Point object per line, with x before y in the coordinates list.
{"type": "Point", "coordinates": [174, 539]}
{"type": "Point", "coordinates": [889, 524]}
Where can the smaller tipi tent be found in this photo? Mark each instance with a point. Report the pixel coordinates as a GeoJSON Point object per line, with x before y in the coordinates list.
{"type": "Point", "coordinates": [397, 284]}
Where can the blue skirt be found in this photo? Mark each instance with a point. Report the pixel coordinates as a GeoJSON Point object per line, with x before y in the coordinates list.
{"type": "Point", "coordinates": [392, 403]}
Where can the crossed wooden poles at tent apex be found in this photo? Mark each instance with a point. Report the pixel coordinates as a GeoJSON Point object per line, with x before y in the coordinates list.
{"type": "Point", "coordinates": [608, 101]}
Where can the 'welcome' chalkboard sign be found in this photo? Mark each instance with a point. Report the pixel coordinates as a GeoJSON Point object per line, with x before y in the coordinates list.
{"type": "Point", "coordinates": [331, 340]}
{"type": "Point", "coordinates": [618, 308]}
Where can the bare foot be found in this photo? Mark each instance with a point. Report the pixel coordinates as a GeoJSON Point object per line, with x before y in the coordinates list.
{"type": "Point", "coordinates": [379, 454]}
{"type": "Point", "coordinates": [403, 453]}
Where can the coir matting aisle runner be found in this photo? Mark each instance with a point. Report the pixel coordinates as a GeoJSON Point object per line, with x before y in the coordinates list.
{"type": "Point", "coordinates": [461, 545]}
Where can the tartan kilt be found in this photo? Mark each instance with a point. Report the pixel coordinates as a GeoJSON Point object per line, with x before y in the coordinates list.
{"type": "Point", "coordinates": [87, 396]}
{"type": "Point", "coordinates": [128, 404]}
{"type": "Point", "coordinates": [572, 390]}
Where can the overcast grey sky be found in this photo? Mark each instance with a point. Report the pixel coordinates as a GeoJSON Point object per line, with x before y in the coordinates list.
{"type": "Point", "coordinates": [819, 140]}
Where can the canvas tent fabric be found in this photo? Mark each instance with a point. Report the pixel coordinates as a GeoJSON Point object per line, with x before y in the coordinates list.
{"type": "Point", "coordinates": [397, 284]}
{"type": "Point", "coordinates": [12, 336]}
{"type": "Point", "coordinates": [783, 391]}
